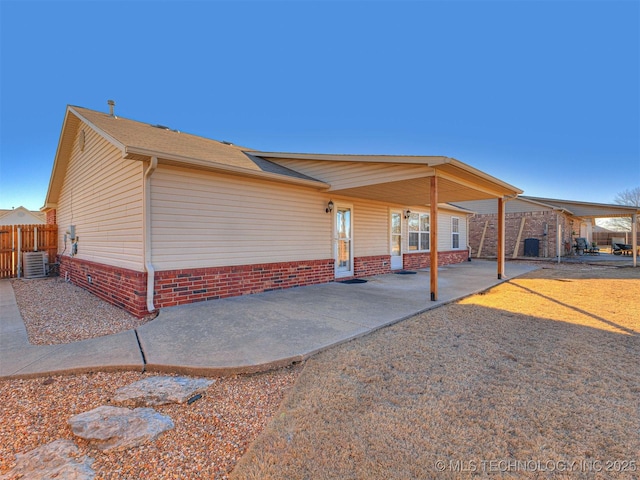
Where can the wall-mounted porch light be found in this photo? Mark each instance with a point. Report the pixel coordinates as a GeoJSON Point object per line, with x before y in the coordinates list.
{"type": "Point", "coordinates": [407, 213]}
{"type": "Point", "coordinates": [329, 208]}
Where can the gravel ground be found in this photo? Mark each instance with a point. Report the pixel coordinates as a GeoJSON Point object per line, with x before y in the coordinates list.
{"type": "Point", "coordinates": [55, 311]}
{"type": "Point", "coordinates": [210, 435]}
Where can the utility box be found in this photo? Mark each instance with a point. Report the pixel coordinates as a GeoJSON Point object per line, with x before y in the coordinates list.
{"type": "Point", "coordinates": [531, 247]}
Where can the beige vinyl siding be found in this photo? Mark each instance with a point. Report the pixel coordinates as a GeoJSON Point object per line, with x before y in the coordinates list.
{"type": "Point", "coordinates": [204, 219]}
{"type": "Point", "coordinates": [445, 240]}
{"type": "Point", "coordinates": [102, 197]}
{"type": "Point", "coordinates": [343, 175]}
{"type": "Point", "coordinates": [370, 228]}
{"type": "Point", "coordinates": [444, 229]}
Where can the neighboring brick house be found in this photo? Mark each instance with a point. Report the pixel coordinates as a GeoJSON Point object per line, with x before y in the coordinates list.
{"type": "Point", "coordinates": [151, 217]}
{"type": "Point", "coordinates": [539, 219]}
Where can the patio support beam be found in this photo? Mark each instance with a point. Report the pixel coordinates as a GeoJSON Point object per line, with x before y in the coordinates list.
{"type": "Point", "coordinates": [433, 234]}
{"type": "Point", "coordinates": [634, 238]}
{"type": "Point", "coordinates": [500, 249]}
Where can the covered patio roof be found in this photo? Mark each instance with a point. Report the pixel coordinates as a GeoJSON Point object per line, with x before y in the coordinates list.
{"type": "Point", "coordinates": [397, 178]}
{"type": "Point", "coordinates": [586, 209]}
{"type": "Point", "coordinates": [594, 210]}
{"type": "Point", "coordinates": [406, 180]}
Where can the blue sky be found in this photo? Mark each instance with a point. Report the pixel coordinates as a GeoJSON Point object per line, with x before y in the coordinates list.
{"type": "Point", "coordinates": [542, 94]}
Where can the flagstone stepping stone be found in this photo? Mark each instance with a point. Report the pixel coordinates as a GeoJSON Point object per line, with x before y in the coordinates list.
{"type": "Point", "coordinates": [160, 390]}
{"type": "Point", "coordinates": [58, 459]}
{"type": "Point", "coordinates": [116, 428]}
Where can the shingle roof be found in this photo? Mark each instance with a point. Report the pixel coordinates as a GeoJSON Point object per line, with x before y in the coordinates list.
{"type": "Point", "coordinates": [134, 136]}
{"type": "Point", "coordinates": [142, 141]}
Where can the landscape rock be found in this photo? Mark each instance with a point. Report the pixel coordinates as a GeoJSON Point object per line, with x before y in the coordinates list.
{"type": "Point", "coordinates": [58, 459]}
{"type": "Point", "coordinates": [160, 390]}
{"type": "Point", "coordinates": [116, 428]}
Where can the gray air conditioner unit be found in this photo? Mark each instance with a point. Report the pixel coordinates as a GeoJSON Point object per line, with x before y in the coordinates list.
{"type": "Point", "coordinates": [34, 264]}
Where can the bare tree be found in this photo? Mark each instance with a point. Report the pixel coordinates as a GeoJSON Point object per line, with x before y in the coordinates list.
{"type": "Point", "coordinates": [630, 197]}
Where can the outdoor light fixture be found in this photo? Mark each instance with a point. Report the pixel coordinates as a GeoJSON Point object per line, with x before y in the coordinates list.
{"type": "Point", "coordinates": [407, 213]}
{"type": "Point", "coordinates": [329, 208]}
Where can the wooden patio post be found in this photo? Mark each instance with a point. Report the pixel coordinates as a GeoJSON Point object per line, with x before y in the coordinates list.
{"type": "Point", "coordinates": [433, 234]}
{"type": "Point", "coordinates": [501, 222]}
{"type": "Point", "coordinates": [558, 238]}
{"type": "Point", "coordinates": [634, 238]}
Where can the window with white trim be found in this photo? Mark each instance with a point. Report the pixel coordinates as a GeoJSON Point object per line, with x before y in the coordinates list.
{"type": "Point", "coordinates": [418, 232]}
{"type": "Point", "coordinates": [455, 232]}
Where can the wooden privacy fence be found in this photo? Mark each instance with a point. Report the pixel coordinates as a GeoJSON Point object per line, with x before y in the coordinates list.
{"type": "Point", "coordinates": [17, 239]}
{"type": "Point", "coordinates": [605, 238]}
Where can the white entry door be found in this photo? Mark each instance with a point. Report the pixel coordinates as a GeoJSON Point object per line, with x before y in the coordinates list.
{"type": "Point", "coordinates": [396, 240]}
{"type": "Point", "coordinates": [343, 241]}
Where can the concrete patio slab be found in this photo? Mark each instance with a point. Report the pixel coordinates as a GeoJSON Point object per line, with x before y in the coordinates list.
{"type": "Point", "coordinates": [110, 352]}
{"type": "Point", "coordinates": [266, 330]}
{"type": "Point", "coordinates": [249, 333]}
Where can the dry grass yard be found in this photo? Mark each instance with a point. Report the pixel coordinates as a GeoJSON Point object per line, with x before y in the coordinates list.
{"type": "Point", "coordinates": [536, 378]}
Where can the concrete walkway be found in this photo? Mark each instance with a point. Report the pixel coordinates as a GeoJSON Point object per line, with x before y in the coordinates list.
{"type": "Point", "coordinates": [245, 334]}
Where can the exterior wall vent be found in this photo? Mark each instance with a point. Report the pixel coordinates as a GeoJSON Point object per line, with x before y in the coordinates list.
{"type": "Point", "coordinates": [34, 264]}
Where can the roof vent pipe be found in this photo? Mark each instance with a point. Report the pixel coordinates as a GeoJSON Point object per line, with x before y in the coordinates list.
{"type": "Point", "coordinates": [111, 104]}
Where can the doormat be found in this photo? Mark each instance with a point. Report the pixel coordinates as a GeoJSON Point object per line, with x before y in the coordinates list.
{"type": "Point", "coordinates": [354, 280]}
{"type": "Point", "coordinates": [405, 272]}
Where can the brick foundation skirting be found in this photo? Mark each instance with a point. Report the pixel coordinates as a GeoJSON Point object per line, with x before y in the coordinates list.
{"type": "Point", "coordinates": [176, 287]}
{"type": "Point", "coordinates": [122, 287]}
{"type": "Point", "coordinates": [414, 261]}
{"type": "Point", "coordinates": [373, 265]}
{"type": "Point", "coordinates": [127, 289]}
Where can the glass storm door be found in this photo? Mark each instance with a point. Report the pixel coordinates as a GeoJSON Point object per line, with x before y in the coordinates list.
{"type": "Point", "coordinates": [343, 242]}
{"type": "Point", "coordinates": [396, 240]}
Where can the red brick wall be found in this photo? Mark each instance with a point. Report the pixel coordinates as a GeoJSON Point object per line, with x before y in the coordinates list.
{"type": "Point", "coordinates": [124, 288]}
{"type": "Point", "coordinates": [414, 261]}
{"type": "Point", "coordinates": [373, 265]}
{"type": "Point", "coordinates": [533, 228]}
{"type": "Point", "coordinates": [177, 287]}
{"type": "Point", "coordinates": [50, 217]}
{"type": "Point", "coordinates": [127, 289]}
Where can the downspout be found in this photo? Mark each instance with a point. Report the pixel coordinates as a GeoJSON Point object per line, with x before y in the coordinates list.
{"type": "Point", "coordinates": [146, 206]}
